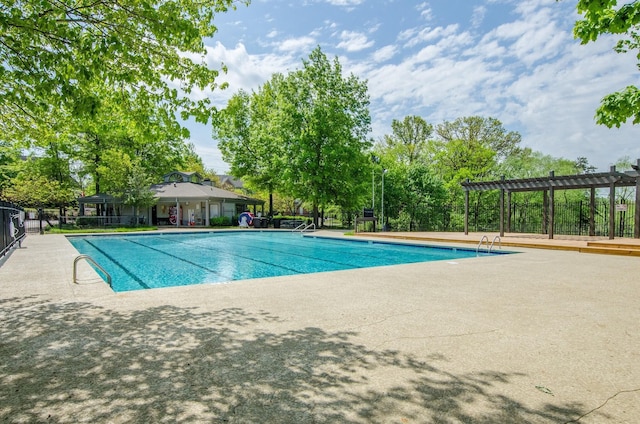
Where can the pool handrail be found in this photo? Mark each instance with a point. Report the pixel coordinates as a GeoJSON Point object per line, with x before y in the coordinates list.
{"type": "Point", "coordinates": [299, 227]}
{"type": "Point", "coordinates": [89, 259]}
{"type": "Point", "coordinates": [303, 227]}
{"type": "Point", "coordinates": [493, 242]}
{"type": "Point", "coordinates": [484, 237]}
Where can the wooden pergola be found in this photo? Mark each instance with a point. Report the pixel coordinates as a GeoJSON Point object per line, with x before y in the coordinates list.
{"type": "Point", "coordinates": [548, 185]}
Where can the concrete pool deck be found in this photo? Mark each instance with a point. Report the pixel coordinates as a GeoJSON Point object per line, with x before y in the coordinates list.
{"type": "Point", "coordinates": [543, 336]}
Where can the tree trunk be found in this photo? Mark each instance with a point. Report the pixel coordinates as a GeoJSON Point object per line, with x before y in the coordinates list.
{"type": "Point", "coordinates": [315, 214]}
{"type": "Point", "coordinates": [270, 204]}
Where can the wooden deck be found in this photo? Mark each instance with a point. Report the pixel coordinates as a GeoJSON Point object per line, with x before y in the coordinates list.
{"type": "Point", "coordinates": [583, 244]}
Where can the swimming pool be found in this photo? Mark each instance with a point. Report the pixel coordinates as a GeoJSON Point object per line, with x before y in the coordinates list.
{"type": "Point", "coordinates": [145, 261]}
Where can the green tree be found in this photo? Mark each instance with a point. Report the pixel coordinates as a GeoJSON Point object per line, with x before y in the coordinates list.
{"type": "Point", "coordinates": [251, 139]}
{"type": "Point", "coordinates": [131, 123]}
{"type": "Point", "coordinates": [34, 186]}
{"type": "Point", "coordinates": [409, 139]}
{"type": "Point", "coordinates": [192, 162]}
{"type": "Point", "coordinates": [125, 178]}
{"type": "Point", "coordinates": [136, 192]}
{"type": "Point", "coordinates": [602, 17]}
{"type": "Point", "coordinates": [51, 53]}
{"type": "Point", "coordinates": [472, 147]}
{"type": "Point", "coordinates": [9, 161]}
{"type": "Point", "coordinates": [413, 195]}
{"type": "Point", "coordinates": [326, 121]}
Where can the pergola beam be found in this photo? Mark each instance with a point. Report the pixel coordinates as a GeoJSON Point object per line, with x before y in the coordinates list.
{"type": "Point", "coordinates": [550, 184]}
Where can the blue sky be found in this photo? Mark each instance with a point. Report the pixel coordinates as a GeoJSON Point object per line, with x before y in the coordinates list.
{"type": "Point", "coordinates": [514, 60]}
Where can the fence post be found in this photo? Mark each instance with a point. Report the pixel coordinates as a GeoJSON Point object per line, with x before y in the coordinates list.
{"type": "Point", "coordinates": [466, 210]}
{"type": "Point", "coordinates": [40, 218]}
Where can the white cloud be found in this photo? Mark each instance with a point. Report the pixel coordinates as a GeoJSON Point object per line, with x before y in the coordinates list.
{"type": "Point", "coordinates": [426, 35]}
{"type": "Point", "coordinates": [354, 41]}
{"type": "Point", "coordinates": [529, 73]}
{"type": "Point", "coordinates": [479, 13]}
{"type": "Point", "coordinates": [384, 54]}
{"type": "Point", "coordinates": [425, 11]}
{"type": "Point", "coordinates": [345, 2]}
{"type": "Point", "coordinates": [293, 45]}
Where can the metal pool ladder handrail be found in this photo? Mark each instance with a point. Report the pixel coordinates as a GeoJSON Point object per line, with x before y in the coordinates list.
{"type": "Point", "coordinates": [484, 237]}
{"type": "Point", "coordinates": [303, 227]}
{"type": "Point", "coordinates": [90, 259]}
{"type": "Point", "coordinates": [494, 240]}
{"type": "Point", "coordinates": [299, 227]}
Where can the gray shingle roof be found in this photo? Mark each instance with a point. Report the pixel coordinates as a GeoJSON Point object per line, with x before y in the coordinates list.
{"type": "Point", "coordinates": [197, 191]}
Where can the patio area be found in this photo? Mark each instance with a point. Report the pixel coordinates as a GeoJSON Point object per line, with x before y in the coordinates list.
{"type": "Point", "coordinates": [541, 336]}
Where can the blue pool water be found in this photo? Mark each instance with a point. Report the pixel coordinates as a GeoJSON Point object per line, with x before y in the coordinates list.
{"type": "Point", "coordinates": [146, 261]}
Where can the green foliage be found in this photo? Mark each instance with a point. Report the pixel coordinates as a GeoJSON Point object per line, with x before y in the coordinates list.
{"type": "Point", "coordinates": [328, 122]}
{"type": "Point", "coordinates": [606, 17]}
{"type": "Point", "coordinates": [616, 108]}
{"type": "Point", "coordinates": [129, 182]}
{"type": "Point", "coordinates": [53, 52]}
{"type": "Point", "coordinates": [32, 190]}
{"type": "Point", "coordinates": [409, 139]}
{"type": "Point", "coordinates": [42, 181]}
{"type": "Point", "coordinates": [472, 147]}
{"type": "Point", "coordinates": [303, 134]}
{"type": "Point", "coordinates": [249, 137]}
{"type": "Point", "coordinates": [220, 221]}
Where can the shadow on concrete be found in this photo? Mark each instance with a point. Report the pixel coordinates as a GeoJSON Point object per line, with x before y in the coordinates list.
{"type": "Point", "coordinates": [75, 362]}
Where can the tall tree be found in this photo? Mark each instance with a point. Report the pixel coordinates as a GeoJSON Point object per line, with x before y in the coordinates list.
{"type": "Point", "coordinates": [34, 186]}
{"type": "Point", "coordinates": [488, 132]}
{"type": "Point", "coordinates": [326, 124]}
{"type": "Point", "coordinates": [602, 17]}
{"type": "Point", "coordinates": [250, 136]}
{"type": "Point", "coordinates": [128, 122]}
{"type": "Point", "coordinates": [472, 147]}
{"type": "Point", "coordinates": [409, 138]}
{"type": "Point", "coordinates": [52, 51]}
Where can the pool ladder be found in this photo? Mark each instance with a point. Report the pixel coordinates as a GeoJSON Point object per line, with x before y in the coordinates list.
{"type": "Point", "coordinates": [489, 247]}
{"type": "Point", "coordinates": [303, 227]}
{"type": "Point", "coordinates": [88, 259]}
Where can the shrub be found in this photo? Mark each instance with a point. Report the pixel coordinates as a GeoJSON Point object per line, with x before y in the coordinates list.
{"type": "Point", "coordinates": [220, 221]}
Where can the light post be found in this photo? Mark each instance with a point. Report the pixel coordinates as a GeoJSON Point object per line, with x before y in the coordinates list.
{"type": "Point", "coordinates": [373, 189]}
{"type": "Point", "coordinates": [384, 171]}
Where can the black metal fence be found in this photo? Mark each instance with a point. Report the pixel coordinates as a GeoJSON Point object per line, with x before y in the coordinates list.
{"type": "Point", "coordinates": [570, 218]}
{"type": "Point", "coordinates": [12, 229]}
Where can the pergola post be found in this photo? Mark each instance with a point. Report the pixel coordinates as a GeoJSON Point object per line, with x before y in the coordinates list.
{"type": "Point", "coordinates": [551, 204]}
{"type": "Point", "coordinates": [545, 211]}
{"type": "Point", "coordinates": [612, 206]}
{"type": "Point", "coordinates": [592, 212]}
{"type": "Point", "coordinates": [502, 209]}
{"type": "Point", "coordinates": [509, 229]}
{"type": "Point", "coordinates": [636, 221]}
{"type": "Point", "coordinates": [466, 210]}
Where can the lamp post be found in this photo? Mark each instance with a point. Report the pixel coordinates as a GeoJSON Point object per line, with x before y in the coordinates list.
{"type": "Point", "coordinates": [384, 171]}
{"type": "Point", "coordinates": [373, 189]}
